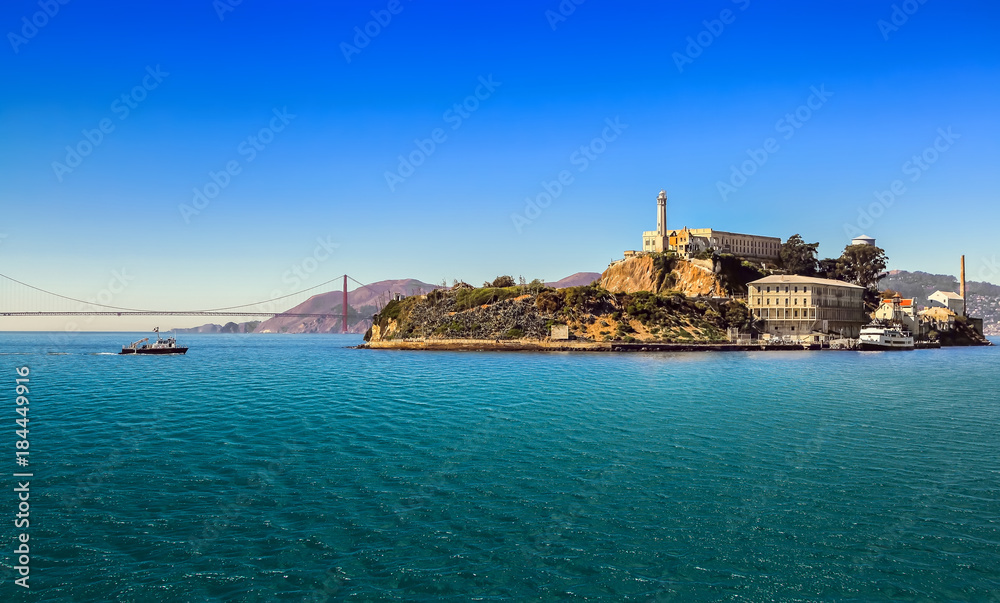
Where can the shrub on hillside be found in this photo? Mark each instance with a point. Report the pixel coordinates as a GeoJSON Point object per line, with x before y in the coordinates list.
{"type": "Point", "coordinates": [501, 281]}
{"type": "Point", "coordinates": [472, 298]}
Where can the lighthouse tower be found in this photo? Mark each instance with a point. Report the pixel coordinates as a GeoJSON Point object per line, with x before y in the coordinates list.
{"type": "Point", "coordinates": [657, 240]}
{"type": "Point", "coordinates": [661, 215]}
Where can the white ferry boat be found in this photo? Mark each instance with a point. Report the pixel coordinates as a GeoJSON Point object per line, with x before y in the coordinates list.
{"type": "Point", "coordinates": [160, 346]}
{"type": "Point", "coordinates": [881, 335]}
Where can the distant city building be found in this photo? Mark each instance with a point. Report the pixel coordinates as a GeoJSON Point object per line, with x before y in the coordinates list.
{"type": "Point", "coordinates": [802, 307]}
{"type": "Point", "coordinates": [863, 240]}
{"type": "Point", "coordinates": [948, 299]}
{"type": "Point", "coordinates": [687, 242]}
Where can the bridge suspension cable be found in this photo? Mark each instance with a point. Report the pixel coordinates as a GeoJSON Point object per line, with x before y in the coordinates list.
{"type": "Point", "coordinates": [109, 310]}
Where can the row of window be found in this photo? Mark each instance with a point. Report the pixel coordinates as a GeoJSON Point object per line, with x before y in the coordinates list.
{"type": "Point", "coordinates": [795, 289]}
{"type": "Point", "coordinates": [751, 243]}
{"type": "Point", "coordinates": [806, 313]}
{"type": "Point", "coordinates": [767, 301]}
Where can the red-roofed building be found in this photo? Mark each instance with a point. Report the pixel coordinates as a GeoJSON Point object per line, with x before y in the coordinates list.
{"type": "Point", "coordinates": [900, 309]}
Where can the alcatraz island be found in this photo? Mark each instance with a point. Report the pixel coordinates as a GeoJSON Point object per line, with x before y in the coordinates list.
{"type": "Point", "coordinates": [686, 289]}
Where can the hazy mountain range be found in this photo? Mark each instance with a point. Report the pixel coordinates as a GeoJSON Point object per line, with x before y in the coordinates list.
{"type": "Point", "coordinates": [982, 299]}
{"type": "Point", "coordinates": [362, 304]}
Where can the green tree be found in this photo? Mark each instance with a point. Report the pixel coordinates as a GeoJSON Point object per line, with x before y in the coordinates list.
{"type": "Point", "coordinates": [862, 264]}
{"type": "Point", "coordinates": [827, 268]}
{"type": "Point", "coordinates": [735, 314]}
{"type": "Point", "coordinates": [501, 281]}
{"type": "Point", "coordinates": [799, 257]}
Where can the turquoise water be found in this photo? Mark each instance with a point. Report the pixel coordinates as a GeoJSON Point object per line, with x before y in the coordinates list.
{"type": "Point", "coordinates": [291, 468]}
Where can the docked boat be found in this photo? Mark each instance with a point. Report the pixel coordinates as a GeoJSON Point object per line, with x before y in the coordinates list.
{"type": "Point", "coordinates": [881, 335]}
{"type": "Point", "coordinates": [160, 346]}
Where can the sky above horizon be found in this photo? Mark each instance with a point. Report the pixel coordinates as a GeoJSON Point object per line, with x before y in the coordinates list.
{"type": "Point", "coordinates": [208, 150]}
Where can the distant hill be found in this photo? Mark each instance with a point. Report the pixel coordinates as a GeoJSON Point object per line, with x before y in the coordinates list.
{"type": "Point", "coordinates": [209, 328]}
{"type": "Point", "coordinates": [362, 304]}
{"type": "Point", "coordinates": [983, 299]}
{"type": "Point", "coordinates": [229, 327]}
{"type": "Point", "coordinates": [575, 280]}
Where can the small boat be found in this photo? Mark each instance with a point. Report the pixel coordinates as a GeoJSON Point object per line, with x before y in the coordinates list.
{"type": "Point", "coordinates": [881, 335]}
{"type": "Point", "coordinates": [160, 346]}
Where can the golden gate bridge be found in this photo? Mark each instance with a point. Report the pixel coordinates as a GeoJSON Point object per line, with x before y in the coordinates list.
{"type": "Point", "coordinates": [16, 293]}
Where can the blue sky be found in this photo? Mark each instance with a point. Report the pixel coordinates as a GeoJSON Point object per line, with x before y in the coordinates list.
{"type": "Point", "coordinates": [692, 88]}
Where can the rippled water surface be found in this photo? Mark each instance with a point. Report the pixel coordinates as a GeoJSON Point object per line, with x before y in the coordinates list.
{"type": "Point", "coordinates": [292, 468]}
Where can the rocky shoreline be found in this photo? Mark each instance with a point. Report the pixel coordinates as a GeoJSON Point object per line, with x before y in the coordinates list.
{"type": "Point", "coordinates": [492, 345]}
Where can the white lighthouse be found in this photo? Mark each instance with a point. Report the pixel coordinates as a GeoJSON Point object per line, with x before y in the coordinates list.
{"type": "Point", "coordinates": [661, 214]}
{"type": "Point", "coordinates": [657, 240]}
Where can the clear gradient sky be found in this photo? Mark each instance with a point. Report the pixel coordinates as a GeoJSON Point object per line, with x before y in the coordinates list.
{"type": "Point", "coordinates": [691, 86]}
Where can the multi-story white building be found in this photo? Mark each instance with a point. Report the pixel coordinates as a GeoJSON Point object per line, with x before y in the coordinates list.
{"type": "Point", "coordinates": [687, 242]}
{"type": "Point", "coordinates": [948, 299]}
{"type": "Point", "coordinates": [803, 306]}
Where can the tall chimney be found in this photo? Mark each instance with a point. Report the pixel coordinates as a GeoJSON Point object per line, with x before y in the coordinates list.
{"type": "Point", "coordinates": [961, 285]}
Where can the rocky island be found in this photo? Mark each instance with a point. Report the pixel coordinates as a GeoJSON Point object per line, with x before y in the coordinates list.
{"type": "Point", "coordinates": [653, 298]}
{"type": "Point", "coordinates": [649, 301]}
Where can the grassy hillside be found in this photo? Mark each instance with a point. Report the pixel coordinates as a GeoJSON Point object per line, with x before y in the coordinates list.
{"type": "Point", "coordinates": [592, 314]}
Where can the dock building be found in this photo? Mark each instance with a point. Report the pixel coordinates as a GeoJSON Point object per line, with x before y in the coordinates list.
{"type": "Point", "coordinates": [804, 307]}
